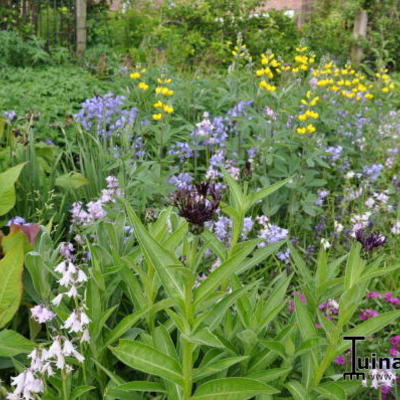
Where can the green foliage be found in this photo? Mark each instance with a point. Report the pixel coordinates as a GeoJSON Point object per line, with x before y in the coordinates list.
{"type": "Point", "coordinates": [149, 33]}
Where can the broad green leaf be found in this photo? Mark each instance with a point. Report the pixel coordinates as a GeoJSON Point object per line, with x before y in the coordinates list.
{"type": "Point", "coordinates": [331, 391]}
{"type": "Point", "coordinates": [80, 390]}
{"type": "Point", "coordinates": [269, 375]}
{"type": "Point", "coordinates": [261, 194]}
{"type": "Point", "coordinates": [232, 389]}
{"type": "Point", "coordinates": [238, 197]}
{"type": "Point", "coordinates": [206, 337]}
{"type": "Point", "coordinates": [11, 267]}
{"type": "Point", "coordinates": [149, 360]}
{"type": "Point", "coordinates": [161, 259]}
{"type": "Point", "coordinates": [369, 327]}
{"type": "Point", "coordinates": [128, 321]}
{"type": "Point", "coordinates": [297, 390]}
{"type": "Point", "coordinates": [216, 367]}
{"type": "Point", "coordinates": [12, 344]}
{"type": "Point", "coordinates": [140, 386]}
{"type": "Point", "coordinates": [7, 190]}
{"type": "Point", "coordinates": [215, 244]}
{"type": "Point", "coordinates": [73, 180]}
{"type": "Point", "coordinates": [354, 267]}
{"type": "Point", "coordinates": [225, 270]}
{"type": "Point", "coordinates": [259, 256]}
{"type": "Point", "coordinates": [276, 346]}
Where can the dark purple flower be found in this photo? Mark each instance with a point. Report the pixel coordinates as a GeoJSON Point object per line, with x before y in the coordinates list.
{"type": "Point", "coordinates": [371, 241]}
{"type": "Point", "coordinates": [197, 204]}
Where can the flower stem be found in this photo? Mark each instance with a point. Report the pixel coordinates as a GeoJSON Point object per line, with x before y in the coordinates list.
{"type": "Point", "coordinates": [64, 385]}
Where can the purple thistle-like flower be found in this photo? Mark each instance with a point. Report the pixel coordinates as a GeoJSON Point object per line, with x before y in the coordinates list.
{"type": "Point", "coordinates": [197, 204]}
{"type": "Point", "coordinates": [371, 241]}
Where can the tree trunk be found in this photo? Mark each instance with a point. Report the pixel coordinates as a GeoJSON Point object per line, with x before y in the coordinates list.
{"type": "Point", "coordinates": [81, 7]}
{"type": "Point", "coordinates": [359, 32]}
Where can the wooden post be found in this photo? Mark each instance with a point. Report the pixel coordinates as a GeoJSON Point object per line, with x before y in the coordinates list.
{"type": "Point", "coordinates": [359, 32]}
{"type": "Point", "coordinates": [80, 26]}
{"type": "Point", "coordinates": [305, 11]}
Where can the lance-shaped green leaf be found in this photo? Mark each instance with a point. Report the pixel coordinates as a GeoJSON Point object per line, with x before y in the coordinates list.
{"type": "Point", "coordinates": [149, 360]}
{"type": "Point", "coordinates": [72, 181]}
{"type": "Point", "coordinates": [225, 270]}
{"type": "Point", "coordinates": [332, 391]}
{"type": "Point", "coordinates": [139, 386]}
{"type": "Point", "coordinates": [7, 190]}
{"type": "Point", "coordinates": [11, 267]}
{"type": "Point", "coordinates": [297, 391]}
{"type": "Point", "coordinates": [369, 327]}
{"type": "Point", "coordinates": [262, 193]}
{"type": "Point", "coordinates": [232, 389]}
{"type": "Point", "coordinates": [129, 320]}
{"type": "Point", "coordinates": [12, 344]}
{"type": "Point", "coordinates": [161, 259]}
{"type": "Point", "coordinates": [216, 367]}
{"type": "Point", "coordinates": [354, 267]}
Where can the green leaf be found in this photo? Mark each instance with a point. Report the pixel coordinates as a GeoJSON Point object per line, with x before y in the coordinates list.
{"type": "Point", "coordinates": [127, 322]}
{"type": "Point", "coordinates": [11, 267]}
{"type": "Point", "coordinates": [206, 337]}
{"type": "Point", "coordinates": [7, 190]}
{"type": "Point", "coordinates": [269, 375]}
{"type": "Point", "coordinates": [238, 197]}
{"type": "Point", "coordinates": [225, 270]}
{"type": "Point", "coordinates": [297, 390]}
{"type": "Point", "coordinates": [141, 386]}
{"type": "Point", "coordinates": [73, 180]}
{"type": "Point", "coordinates": [232, 389]}
{"type": "Point", "coordinates": [370, 326]}
{"type": "Point", "coordinates": [276, 346]}
{"type": "Point", "coordinates": [80, 390]}
{"type": "Point", "coordinates": [12, 344]}
{"type": "Point", "coordinates": [149, 360]}
{"type": "Point", "coordinates": [216, 367]}
{"type": "Point", "coordinates": [331, 391]}
{"type": "Point", "coordinates": [261, 194]}
{"type": "Point", "coordinates": [354, 267]}
{"type": "Point", "coordinates": [160, 258]}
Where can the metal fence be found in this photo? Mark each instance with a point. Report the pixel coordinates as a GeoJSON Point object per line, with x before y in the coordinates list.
{"type": "Point", "coordinates": [53, 21]}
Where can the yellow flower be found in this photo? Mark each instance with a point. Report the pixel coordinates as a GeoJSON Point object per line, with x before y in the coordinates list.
{"type": "Point", "coordinates": [369, 96]}
{"type": "Point", "coordinates": [314, 101]}
{"type": "Point", "coordinates": [135, 75]}
{"type": "Point", "coordinates": [168, 109]}
{"type": "Point", "coordinates": [265, 85]}
{"type": "Point", "coordinates": [157, 117]}
{"type": "Point", "coordinates": [260, 72]}
{"type": "Point", "coordinates": [302, 117]}
{"type": "Point", "coordinates": [301, 131]}
{"type": "Point", "coordinates": [310, 128]}
{"type": "Point", "coordinates": [143, 86]}
{"type": "Point", "coordinates": [385, 89]}
{"type": "Point", "coordinates": [159, 104]}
